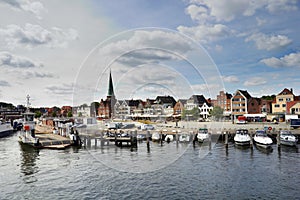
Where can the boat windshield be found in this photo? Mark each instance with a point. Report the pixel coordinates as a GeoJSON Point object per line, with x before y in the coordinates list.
{"type": "Point", "coordinates": [203, 130]}
{"type": "Point", "coordinates": [261, 133]}
{"type": "Point", "coordinates": [242, 132]}
{"type": "Point", "coordinates": [285, 133]}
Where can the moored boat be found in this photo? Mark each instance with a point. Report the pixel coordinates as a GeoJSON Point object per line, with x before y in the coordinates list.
{"type": "Point", "coordinates": [242, 137]}
{"type": "Point", "coordinates": [5, 129]}
{"type": "Point", "coordinates": [184, 137]}
{"type": "Point", "coordinates": [202, 134]}
{"type": "Point", "coordinates": [261, 139]}
{"type": "Point", "coordinates": [155, 137]}
{"type": "Point", "coordinates": [169, 138]}
{"type": "Point", "coordinates": [287, 138]}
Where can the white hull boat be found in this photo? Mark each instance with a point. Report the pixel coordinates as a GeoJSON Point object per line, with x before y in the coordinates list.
{"type": "Point", "coordinates": [5, 129]}
{"type": "Point", "coordinates": [288, 139]}
{"type": "Point", "coordinates": [202, 135]}
{"type": "Point", "coordinates": [242, 137]}
{"type": "Point", "coordinates": [155, 137]}
{"type": "Point", "coordinates": [184, 138]}
{"type": "Point", "coordinates": [261, 139]}
{"type": "Point", "coordinates": [169, 138]}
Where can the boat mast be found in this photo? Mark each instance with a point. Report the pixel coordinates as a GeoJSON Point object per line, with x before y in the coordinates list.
{"type": "Point", "coordinates": [27, 103]}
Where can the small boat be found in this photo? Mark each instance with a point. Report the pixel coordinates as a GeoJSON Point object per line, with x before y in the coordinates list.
{"type": "Point", "coordinates": [141, 137]}
{"type": "Point", "coordinates": [5, 129]}
{"type": "Point", "coordinates": [202, 135]}
{"type": "Point", "coordinates": [242, 137]}
{"type": "Point", "coordinates": [169, 138]}
{"type": "Point", "coordinates": [184, 138]}
{"type": "Point", "coordinates": [155, 137]}
{"type": "Point", "coordinates": [287, 138]}
{"type": "Point", "coordinates": [261, 139]}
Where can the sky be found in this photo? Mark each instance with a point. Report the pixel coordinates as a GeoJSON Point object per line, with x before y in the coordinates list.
{"type": "Point", "coordinates": [61, 52]}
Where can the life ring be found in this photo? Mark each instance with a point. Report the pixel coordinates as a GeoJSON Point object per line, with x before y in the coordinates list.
{"type": "Point", "coordinates": [270, 128]}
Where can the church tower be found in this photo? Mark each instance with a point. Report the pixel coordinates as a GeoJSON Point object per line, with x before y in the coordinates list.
{"type": "Point", "coordinates": [106, 108]}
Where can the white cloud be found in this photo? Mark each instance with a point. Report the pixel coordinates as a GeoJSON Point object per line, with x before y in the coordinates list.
{"type": "Point", "coordinates": [4, 83]}
{"type": "Point", "coordinates": [290, 60]}
{"type": "Point", "coordinates": [231, 79]}
{"type": "Point", "coordinates": [269, 42]}
{"type": "Point", "coordinates": [260, 21]}
{"type": "Point", "coordinates": [197, 13]}
{"type": "Point", "coordinates": [34, 7]}
{"type": "Point", "coordinates": [255, 81]}
{"type": "Point", "coordinates": [147, 47]}
{"type": "Point", "coordinates": [62, 89]}
{"type": "Point", "coordinates": [10, 60]}
{"type": "Point", "coordinates": [34, 74]}
{"type": "Point", "coordinates": [230, 9]}
{"type": "Point", "coordinates": [206, 33]}
{"type": "Point", "coordinates": [35, 35]}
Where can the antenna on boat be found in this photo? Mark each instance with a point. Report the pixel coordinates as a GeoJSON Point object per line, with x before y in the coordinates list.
{"type": "Point", "coordinates": [27, 102]}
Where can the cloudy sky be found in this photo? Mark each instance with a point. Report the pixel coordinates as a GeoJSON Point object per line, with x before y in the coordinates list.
{"type": "Point", "coordinates": [60, 52]}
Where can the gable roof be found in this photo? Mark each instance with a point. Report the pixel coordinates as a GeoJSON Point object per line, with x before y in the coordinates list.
{"type": "Point", "coordinates": [286, 91]}
{"type": "Point", "coordinates": [165, 100]}
{"type": "Point", "coordinates": [245, 93]}
{"type": "Point", "coordinates": [198, 99]}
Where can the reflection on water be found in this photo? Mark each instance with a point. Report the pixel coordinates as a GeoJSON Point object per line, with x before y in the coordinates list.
{"type": "Point", "coordinates": [29, 167]}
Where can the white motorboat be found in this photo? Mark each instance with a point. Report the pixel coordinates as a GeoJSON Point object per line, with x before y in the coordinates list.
{"type": "Point", "coordinates": [202, 135]}
{"type": "Point", "coordinates": [169, 138]}
{"type": "Point", "coordinates": [155, 137]}
{"type": "Point", "coordinates": [5, 129]}
{"type": "Point", "coordinates": [242, 137]}
{"type": "Point", "coordinates": [261, 139]}
{"type": "Point", "coordinates": [184, 137]}
{"type": "Point", "coordinates": [287, 138]}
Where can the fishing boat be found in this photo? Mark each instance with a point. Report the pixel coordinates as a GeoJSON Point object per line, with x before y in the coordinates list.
{"type": "Point", "coordinates": [184, 137]}
{"type": "Point", "coordinates": [261, 139]}
{"type": "Point", "coordinates": [5, 129]}
{"type": "Point", "coordinates": [287, 138]}
{"type": "Point", "coordinates": [242, 137]}
{"type": "Point", "coordinates": [202, 134]}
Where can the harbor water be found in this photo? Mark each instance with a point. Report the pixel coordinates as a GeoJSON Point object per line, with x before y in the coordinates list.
{"type": "Point", "coordinates": [168, 171]}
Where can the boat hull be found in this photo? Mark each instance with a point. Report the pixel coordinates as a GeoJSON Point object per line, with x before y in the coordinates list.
{"type": "Point", "coordinates": [288, 143]}
{"type": "Point", "coordinates": [6, 133]}
{"type": "Point", "coordinates": [242, 143]}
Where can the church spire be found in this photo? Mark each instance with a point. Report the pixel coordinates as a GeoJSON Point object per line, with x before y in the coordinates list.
{"type": "Point", "coordinates": [110, 86]}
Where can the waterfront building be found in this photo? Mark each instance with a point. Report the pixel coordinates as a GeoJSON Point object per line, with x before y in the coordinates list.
{"type": "Point", "coordinates": [106, 107]}
{"type": "Point", "coordinates": [223, 101]}
{"type": "Point", "coordinates": [279, 106]}
{"type": "Point", "coordinates": [65, 110]}
{"type": "Point", "coordinates": [195, 101]}
{"type": "Point", "coordinates": [205, 109]}
{"type": "Point", "coordinates": [82, 111]}
{"type": "Point", "coordinates": [179, 107]}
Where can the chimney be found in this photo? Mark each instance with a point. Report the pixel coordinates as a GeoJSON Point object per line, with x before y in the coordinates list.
{"type": "Point", "coordinates": [292, 90]}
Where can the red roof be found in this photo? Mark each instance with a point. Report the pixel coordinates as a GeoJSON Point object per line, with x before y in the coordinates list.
{"type": "Point", "coordinates": [286, 91]}
{"type": "Point", "coordinates": [290, 104]}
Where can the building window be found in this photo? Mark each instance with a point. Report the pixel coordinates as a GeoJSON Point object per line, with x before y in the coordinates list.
{"type": "Point", "coordinates": [283, 105]}
{"type": "Point", "coordinates": [288, 99]}
{"type": "Point", "coordinates": [281, 99]}
{"type": "Point", "coordinates": [277, 105]}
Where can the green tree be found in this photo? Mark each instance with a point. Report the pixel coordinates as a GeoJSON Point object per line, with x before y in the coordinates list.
{"type": "Point", "coordinates": [38, 114]}
{"type": "Point", "coordinates": [190, 114]}
{"type": "Point", "coordinates": [70, 114]}
{"type": "Point", "coordinates": [217, 112]}
{"type": "Point", "coordinates": [54, 114]}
